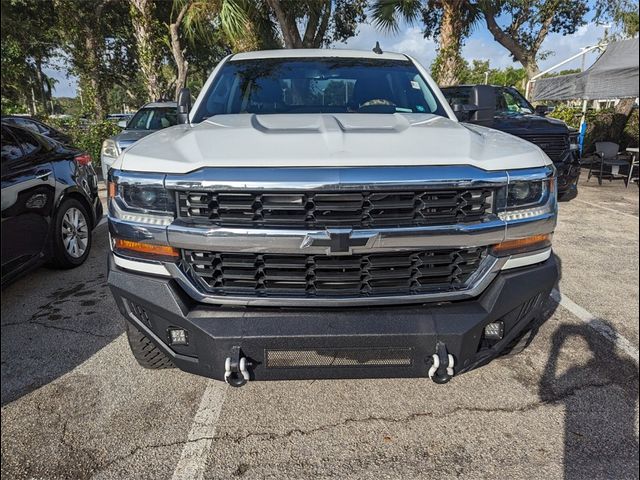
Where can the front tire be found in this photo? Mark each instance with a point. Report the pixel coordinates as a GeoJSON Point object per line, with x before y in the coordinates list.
{"type": "Point", "coordinates": [144, 350]}
{"type": "Point", "coordinates": [71, 237]}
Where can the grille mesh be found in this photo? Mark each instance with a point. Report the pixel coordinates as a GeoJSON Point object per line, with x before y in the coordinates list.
{"type": "Point", "coordinates": [336, 209]}
{"type": "Point", "coordinates": [553, 145]}
{"type": "Point", "coordinates": [338, 357]}
{"type": "Point", "coordinates": [392, 273]}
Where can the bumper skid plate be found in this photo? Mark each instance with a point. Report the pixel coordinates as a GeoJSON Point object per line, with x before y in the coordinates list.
{"type": "Point", "coordinates": [238, 344]}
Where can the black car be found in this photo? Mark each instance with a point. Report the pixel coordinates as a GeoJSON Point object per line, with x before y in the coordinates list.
{"type": "Point", "coordinates": [50, 203]}
{"type": "Point", "coordinates": [506, 109]}
{"type": "Point", "coordinates": [38, 127]}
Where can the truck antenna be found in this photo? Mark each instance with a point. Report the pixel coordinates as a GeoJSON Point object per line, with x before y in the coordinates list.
{"type": "Point", "coordinates": [377, 49]}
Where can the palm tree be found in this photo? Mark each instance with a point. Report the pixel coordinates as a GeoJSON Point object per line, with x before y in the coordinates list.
{"type": "Point", "coordinates": [450, 21]}
{"type": "Point", "coordinates": [242, 22]}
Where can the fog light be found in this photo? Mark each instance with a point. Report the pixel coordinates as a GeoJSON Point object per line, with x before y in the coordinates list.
{"type": "Point", "coordinates": [178, 336]}
{"type": "Point", "coordinates": [494, 331]}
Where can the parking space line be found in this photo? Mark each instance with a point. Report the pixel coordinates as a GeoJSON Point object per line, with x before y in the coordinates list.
{"type": "Point", "coordinates": [596, 323]}
{"type": "Point", "coordinates": [605, 208]}
{"type": "Point", "coordinates": [195, 452]}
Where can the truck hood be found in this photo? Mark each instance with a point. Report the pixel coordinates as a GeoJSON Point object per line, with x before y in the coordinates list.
{"type": "Point", "coordinates": [529, 124]}
{"type": "Point", "coordinates": [328, 140]}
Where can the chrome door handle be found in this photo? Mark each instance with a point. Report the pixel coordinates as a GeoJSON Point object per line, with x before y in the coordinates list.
{"type": "Point", "coordinates": [43, 174]}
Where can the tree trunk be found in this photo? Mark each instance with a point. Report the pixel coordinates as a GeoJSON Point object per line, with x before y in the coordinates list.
{"type": "Point", "coordinates": [97, 93]}
{"type": "Point", "coordinates": [620, 118]}
{"type": "Point", "coordinates": [145, 32]}
{"type": "Point", "coordinates": [288, 26]}
{"type": "Point", "coordinates": [40, 79]}
{"type": "Point", "coordinates": [178, 55]}
{"type": "Point", "coordinates": [526, 57]}
{"type": "Point", "coordinates": [448, 64]}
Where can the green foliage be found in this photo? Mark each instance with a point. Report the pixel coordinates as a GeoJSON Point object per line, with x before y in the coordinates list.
{"type": "Point", "coordinates": [622, 13]}
{"type": "Point", "coordinates": [87, 136]}
{"type": "Point", "coordinates": [477, 72]}
{"type": "Point", "coordinates": [28, 43]}
{"type": "Point", "coordinates": [599, 126]}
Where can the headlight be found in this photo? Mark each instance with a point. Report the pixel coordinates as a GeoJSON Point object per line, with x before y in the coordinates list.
{"type": "Point", "coordinates": [135, 199]}
{"type": "Point", "coordinates": [574, 141]}
{"type": "Point", "coordinates": [526, 199]}
{"type": "Point", "coordinates": [110, 148]}
{"type": "Point", "coordinates": [525, 194]}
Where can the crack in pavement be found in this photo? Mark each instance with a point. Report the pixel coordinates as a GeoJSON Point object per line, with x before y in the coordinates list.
{"type": "Point", "coordinates": [99, 466]}
{"type": "Point", "coordinates": [413, 416]}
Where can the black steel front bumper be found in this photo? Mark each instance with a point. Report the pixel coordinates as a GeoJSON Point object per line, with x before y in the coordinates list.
{"type": "Point", "coordinates": [568, 171]}
{"type": "Point", "coordinates": [299, 343]}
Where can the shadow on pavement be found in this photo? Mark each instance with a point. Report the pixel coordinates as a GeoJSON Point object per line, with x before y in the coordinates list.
{"type": "Point", "coordinates": [599, 398]}
{"type": "Point", "coordinates": [54, 320]}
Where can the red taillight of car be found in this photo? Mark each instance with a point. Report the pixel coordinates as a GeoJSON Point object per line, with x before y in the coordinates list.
{"type": "Point", "coordinates": [83, 159]}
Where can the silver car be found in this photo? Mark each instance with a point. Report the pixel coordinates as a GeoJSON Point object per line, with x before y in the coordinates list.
{"type": "Point", "coordinates": [150, 118]}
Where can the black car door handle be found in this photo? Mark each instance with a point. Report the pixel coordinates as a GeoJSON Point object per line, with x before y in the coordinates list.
{"type": "Point", "coordinates": [43, 174]}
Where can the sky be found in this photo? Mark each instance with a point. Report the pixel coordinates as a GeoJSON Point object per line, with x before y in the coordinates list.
{"type": "Point", "coordinates": [480, 45]}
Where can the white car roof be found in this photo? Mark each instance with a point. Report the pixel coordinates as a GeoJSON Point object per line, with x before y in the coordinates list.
{"type": "Point", "coordinates": [316, 53]}
{"type": "Point", "coordinates": [160, 104]}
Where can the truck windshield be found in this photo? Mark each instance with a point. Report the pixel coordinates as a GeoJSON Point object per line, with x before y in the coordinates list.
{"type": "Point", "coordinates": [153, 119]}
{"type": "Point", "coordinates": [319, 85]}
{"type": "Point", "coordinates": [509, 100]}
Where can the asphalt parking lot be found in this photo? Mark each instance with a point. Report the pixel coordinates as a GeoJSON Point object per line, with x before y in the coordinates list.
{"type": "Point", "coordinates": [76, 405]}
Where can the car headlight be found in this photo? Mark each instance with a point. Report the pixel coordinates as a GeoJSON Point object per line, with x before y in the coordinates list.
{"type": "Point", "coordinates": [110, 148]}
{"type": "Point", "coordinates": [526, 199]}
{"type": "Point", "coordinates": [140, 201]}
{"type": "Point", "coordinates": [574, 141]}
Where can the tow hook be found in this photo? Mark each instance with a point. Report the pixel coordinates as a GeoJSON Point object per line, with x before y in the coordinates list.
{"type": "Point", "coordinates": [441, 370]}
{"type": "Point", "coordinates": [236, 373]}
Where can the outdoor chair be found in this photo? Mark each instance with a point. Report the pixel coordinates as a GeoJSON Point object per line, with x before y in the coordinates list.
{"type": "Point", "coordinates": [608, 162]}
{"type": "Point", "coordinates": [633, 168]}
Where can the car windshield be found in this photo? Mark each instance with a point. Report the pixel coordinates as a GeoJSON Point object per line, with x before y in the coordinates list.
{"type": "Point", "coordinates": [325, 85]}
{"type": "Point", "coordinates": [153, 118]}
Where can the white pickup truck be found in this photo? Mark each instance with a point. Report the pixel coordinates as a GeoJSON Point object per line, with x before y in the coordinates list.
{"type": "Point", "coordinates": [323, 214]}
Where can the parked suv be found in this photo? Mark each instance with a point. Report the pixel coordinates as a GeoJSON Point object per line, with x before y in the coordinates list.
{"type": "Point", "coordinates": [506, 109]}
{"type": "Point", "coordinates": [50, 203]}
{"type": "Point", "coordinates": [150, 118]}
{"type": "Point", "coordinates": [323, 214]}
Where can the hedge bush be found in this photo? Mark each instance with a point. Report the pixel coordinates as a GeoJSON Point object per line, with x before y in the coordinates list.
{"type": "Point", "coordinates": [598, 126]}
{"type": "Point", "coordinates": [87, 136]}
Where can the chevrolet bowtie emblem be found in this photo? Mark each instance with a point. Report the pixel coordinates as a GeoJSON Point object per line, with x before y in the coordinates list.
{"type": "Point", "coordinates": [338, 241]}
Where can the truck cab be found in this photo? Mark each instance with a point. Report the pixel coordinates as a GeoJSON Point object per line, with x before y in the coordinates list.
{"type": "Point", "coordinates": [507, 110]}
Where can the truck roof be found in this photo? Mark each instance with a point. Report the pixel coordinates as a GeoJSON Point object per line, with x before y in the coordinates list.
{"type": "Point", "coordinates": [317, 53]}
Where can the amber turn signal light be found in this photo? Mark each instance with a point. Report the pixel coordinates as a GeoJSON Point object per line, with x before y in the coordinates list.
{"type": "Point", "coordinates": [111, 190]}
{"type": "Point", "coordinates": [522, 245]}
{"type": "Point", "coordinates": [147, 249]}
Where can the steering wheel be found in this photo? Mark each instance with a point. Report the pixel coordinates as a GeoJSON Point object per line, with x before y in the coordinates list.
{"type": "Point", "coordinates": [377, 101]}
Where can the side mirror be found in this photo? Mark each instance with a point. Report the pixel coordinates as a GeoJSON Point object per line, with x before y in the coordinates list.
{"type": "Point", "coordinates": [484, 97]}
{"type": "Point", "coordinates": [542, 110]}
{"type": "Point", "coordinates": [122, 123]}
{"type": "Point", "coordinates": [464, 111]}
{"type": "Point", "coordinates": [184, 105]}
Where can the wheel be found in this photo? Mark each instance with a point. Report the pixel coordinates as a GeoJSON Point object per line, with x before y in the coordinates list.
{"type": "Point", "coordinates": [71, 237]}
{"type": "Point", "coordinates": [145, 351]}
{"type": "Point", "coordinates": [520, 343]}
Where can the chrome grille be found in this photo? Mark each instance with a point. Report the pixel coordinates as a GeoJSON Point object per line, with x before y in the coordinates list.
{"type": "Point", "coordinates": [336, 209]}
{"type": "Point", "coordinates": [322, 276]}
{"type": "Point", "coordinates": [553, 145]}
